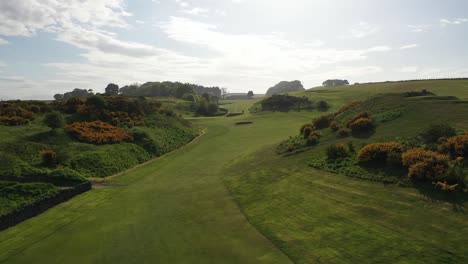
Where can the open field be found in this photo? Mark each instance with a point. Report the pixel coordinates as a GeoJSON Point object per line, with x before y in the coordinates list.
{"type": "Point", "coordinates": [177, 209]}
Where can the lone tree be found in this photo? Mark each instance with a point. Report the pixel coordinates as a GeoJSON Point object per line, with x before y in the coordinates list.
{"type": "Point", "coordinates": [54, 120]}
{"type": "Point", "coordinates": [250, 94]}
{"type": "Point", "coordinates": [58, 96]}
{"type": "Point", "coordinates": [112, 89]}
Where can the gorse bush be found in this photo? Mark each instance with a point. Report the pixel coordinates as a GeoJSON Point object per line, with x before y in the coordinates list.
{"type": "Point", "coordinates": [385, 152]}
{"type": "Point", "coordinates": [49, 158]}
{"type": "Point", "coordinates": [425, 164]}
{"type": "Point", "coordinates": [322, 122]}
{"type": "Point", "coordinates": [434, 132]}
{"type": "Point", "coordinates": [336, 151]}
{"type": "Point", "coordinates": [360, 125]}
{"type": "Point", "coordinates": [334, 126]}
{"type": "Point", "coordinates": [455, 146]}
{"type": "Point", "coordinates": [363, 114]}
{"type": "Point", "coordinates": [15, 113]}
{"type": "Point", "coordinates": [306, 130]}
{"type": "Point", "coordinates": [344, 132]}
{"type": "Point", "coordinates": [97, 132]}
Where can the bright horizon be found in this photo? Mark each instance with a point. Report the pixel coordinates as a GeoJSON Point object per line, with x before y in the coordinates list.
{"type": "Point", "coordinates": [49, 47]}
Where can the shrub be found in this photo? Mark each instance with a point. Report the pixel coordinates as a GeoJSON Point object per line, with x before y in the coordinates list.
{"type": "Point", "coordinates": [432, 133]}
{"type": "Point", "coordinates": [425, 164]}
{"type": "Point", "coordinates": [344, 132]}
{"type": "Point", "coordinates": [322, 106]}
{"type": "Point", "coordinates": [306, 129]}
{"type": "Point", "coordinates": [384, 152]}
{"type": "Point", "coordinates": [54, 120]}
{"type": "Point", "coordinates": [312, 140]}
{"type": "Point", "coordinates": [361, 125]}
{"type": "Point", "coordinates": [322, 122]}
{"type": "Point", "coordinates": [285, 103]}
{"type": "Point", "coordinates": [336, 151]}
{"type": "Point", "coordinates": [363, 114]}
{"type": "Point", "coordinates": [334, 126]}
{"type": "Point", "coordinates": [49, 157]}
{"type": "Point", "coordinates": [13, 113]}
{"type": "Point", "coordinates": [97, 132]}
{"type": "Point", "coordinates": [455, 146]}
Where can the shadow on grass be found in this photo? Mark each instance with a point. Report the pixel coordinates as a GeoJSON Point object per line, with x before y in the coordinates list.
{"type": "Point", "coordinates": [456, 198]}
{"type": "Point", "coordinates": [363, 135]}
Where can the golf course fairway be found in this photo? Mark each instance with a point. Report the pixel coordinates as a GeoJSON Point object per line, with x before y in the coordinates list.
{"type": "Point", "coordinates": [174, 209]}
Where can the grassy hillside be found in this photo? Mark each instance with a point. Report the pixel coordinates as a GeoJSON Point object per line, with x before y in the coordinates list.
{"type": "Point", "coordinates": [31, 151]}
{"type": "Point", "coordinates": [319, 217]}
{"type": "Point", "coordinates": [340, 95]}
{"type": "Point", "coordinates": [316, 216]}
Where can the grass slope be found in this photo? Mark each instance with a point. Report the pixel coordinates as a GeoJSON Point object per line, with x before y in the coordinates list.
{"type": "Point", "coordinates": [320, 217]}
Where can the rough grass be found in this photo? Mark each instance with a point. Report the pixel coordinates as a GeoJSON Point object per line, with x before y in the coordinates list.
{"type": "Point", "coordinates": [15, 195]}
{"type": "Point", "coordinates": [320, 217]}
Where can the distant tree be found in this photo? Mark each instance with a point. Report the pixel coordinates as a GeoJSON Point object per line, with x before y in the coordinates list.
{"type": "Point", "coordinates": [335, 82]}
{"type": "Point", "coordinates": [54, 120]}
{"type": "Point", "coordinates": [58, 96]}
{"type": "Point", "coordinates": [78, 93]}
{"type": "Point", "coordinates": [112, 89]}
{"type": "Point", "coordinates": [250, 94]}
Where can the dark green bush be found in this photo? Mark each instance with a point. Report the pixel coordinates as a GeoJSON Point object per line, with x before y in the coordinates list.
{"type": "Point", "coordinates": [54, 120]}
{"type": "Point", "coordinates": [322, 122]}
{"type": "Point", "coordinates": [432, 133]}
{"type": "Point", "coordinates": [336, 151]}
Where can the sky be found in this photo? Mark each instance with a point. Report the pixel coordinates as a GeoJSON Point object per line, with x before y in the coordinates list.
{"type": "Point", "coordinates": [54, 46]}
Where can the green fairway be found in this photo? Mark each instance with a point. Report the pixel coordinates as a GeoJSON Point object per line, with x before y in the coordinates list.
{"type": "Point", "coordinates": [171, 210]}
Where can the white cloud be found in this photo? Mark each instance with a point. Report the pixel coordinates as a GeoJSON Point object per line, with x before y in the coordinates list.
{"type": "Point", "coordinates": [195, 11]}
{"type": "Point", "coordinates": [409, 46]}
{"type": "Point", "coordinates": [419, 28]}
{"type": "Point", "coordinates": [141, 22]}
{"type": "Point", "coordinates": [3, 42]}
{"type": "Point", "coordinates": [105, 42]}
{"type": "Point", "coordinates": [26, 17]}
{"type": "Point", "coordinates": [362, 30]}
{"type": "Point", "coordinates": [408, 69]}
{"type": "Point", "coordinates": [220, 12]}
{"type": "Point", "coordinates": [444, 22]}
{"type": "Point", "coordinates": [182, 3]}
